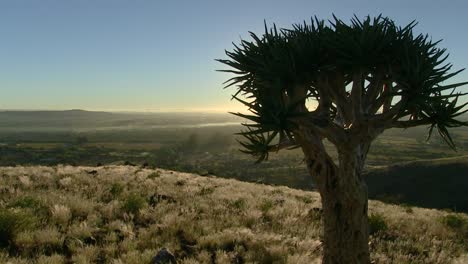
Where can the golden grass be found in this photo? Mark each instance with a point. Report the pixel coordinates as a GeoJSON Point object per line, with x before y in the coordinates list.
{"type": "Point", "coordinates": [125, 214]}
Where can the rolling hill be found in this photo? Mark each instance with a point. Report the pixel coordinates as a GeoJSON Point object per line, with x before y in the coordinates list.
{"type": "Point", "coordinates": [126, 214]}
{"type": "Point", "coordinates": [438, 183]}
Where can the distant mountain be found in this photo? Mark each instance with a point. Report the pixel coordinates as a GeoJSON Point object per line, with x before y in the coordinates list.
{"type": "Point", "coordinates": [439, 183]}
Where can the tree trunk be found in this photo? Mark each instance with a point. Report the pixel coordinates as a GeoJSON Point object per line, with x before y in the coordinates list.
{"type": "Point", "coordinates": [344, 202]}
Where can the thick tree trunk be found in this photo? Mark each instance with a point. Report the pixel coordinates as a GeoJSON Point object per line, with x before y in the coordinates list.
{"type": "Point", "coordinates": [344, 201]}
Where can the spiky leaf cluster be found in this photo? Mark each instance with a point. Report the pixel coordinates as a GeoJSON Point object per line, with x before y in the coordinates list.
{"type": "Point", "coordinates": [364, 75]}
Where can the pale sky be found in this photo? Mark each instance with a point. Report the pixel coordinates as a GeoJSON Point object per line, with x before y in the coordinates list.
{"type": "Point", "coordinates": [160, 55]}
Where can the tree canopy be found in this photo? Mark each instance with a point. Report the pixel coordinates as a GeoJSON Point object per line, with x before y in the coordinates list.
{"type": "Point", "coordinates": [347, 82]}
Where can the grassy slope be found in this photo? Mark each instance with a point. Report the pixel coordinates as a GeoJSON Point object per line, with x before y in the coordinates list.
{"type": "Point", "coordinates": [438, 183]}
{"type": "Point", "coordinates": [76, 214]}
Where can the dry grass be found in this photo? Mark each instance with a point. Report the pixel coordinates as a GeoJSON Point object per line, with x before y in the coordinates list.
{"type": "Point", "coordinates": [120, 214]}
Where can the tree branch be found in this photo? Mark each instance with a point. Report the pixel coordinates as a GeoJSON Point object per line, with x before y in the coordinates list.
{"type": "Point", "coordinates": [337, 92]}
{"type": "Point", "coordinates": [356, 97]}
{"type": "Point", "coordinates": [387, 90]}
{"type": "Point", "coordinates": [322, 126]}
{"type": "Point", "coordinates": [313, 148]}
{"type": "Point", "coordinates": [375, 87]}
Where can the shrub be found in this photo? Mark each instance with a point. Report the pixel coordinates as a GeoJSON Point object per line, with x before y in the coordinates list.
{"type": "Point", "coordinates": [154, 175]}
{"type": "Point", "coordinates": [26, 202]}
{"type": "Point", "coordinates": [266, 205]}
{"type": "Point", "coordinates": [454, 221]}
{"type": "Point", "coordinates": [34, 204]}
{"type": "Point", "coordinates": [377, 223]}
{"type": "Point", "coordinates": [13, 222]}
{"type": "Point", "coordinates": [116, 189]}
{"type": "Point", "coordinates": [133, 203]}
{"type": "Point", "coordinates": [180, 183]}
{"type": "Point", "coordinates": [408, 208]}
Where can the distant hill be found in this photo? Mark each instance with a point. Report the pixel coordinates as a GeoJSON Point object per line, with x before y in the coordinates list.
{"type": "Point", "coordinates": [439, 183]}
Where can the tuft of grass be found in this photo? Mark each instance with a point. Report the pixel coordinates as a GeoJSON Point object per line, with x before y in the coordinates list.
{"type": "Point", "coordinates": [133, 203]}
{"type": "Point", "coordinates": [11, 223]}
{"type": "Point", "coordinates": [377, 224]}
{"type": "Point", "coordinates": [239, 204]}
{"type": "Point", "coordinates": [60, 214]}
{"type": "Point", "coordinates": [305, 199]}
{"type": "Point", "coordinates": [206, 190]}
{"type": "Point", "coordinates": [264, 255]}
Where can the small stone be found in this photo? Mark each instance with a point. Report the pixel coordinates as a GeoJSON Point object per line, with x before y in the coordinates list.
{"type": "Point", "coordinates": [93, 172]}
{"type": "Point", "coordinates": [164, 256]}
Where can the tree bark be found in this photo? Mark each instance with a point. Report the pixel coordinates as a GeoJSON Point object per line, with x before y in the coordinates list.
{"type": "Point", "coordinates": [344, 203]}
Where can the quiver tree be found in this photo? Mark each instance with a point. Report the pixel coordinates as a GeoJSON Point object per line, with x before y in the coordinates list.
{"type": "Point", "coordinates": [345, 83]}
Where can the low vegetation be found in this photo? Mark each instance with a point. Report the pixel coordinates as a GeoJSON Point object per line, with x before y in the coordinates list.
{"type": "Point", "coordinates": [213, 150]}
{"type": "Point", "coordinates": [126, 214]}
{"type": "Point", "coordinates": [441, 183]}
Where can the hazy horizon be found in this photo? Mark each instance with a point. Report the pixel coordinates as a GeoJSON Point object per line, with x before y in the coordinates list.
{"type": "Point", "coordinates": [167, 110]}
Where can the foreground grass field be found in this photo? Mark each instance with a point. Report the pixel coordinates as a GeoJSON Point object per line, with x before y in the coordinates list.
{"type": "Point", "coordinates": [125, 214]}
